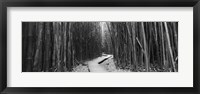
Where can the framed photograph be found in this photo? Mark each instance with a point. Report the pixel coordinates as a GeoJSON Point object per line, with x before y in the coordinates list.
{"type": "Point", "coordinates": [87, 46]}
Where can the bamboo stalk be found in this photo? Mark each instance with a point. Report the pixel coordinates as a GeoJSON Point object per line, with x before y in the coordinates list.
{"type": "Point", "coordinates": [145, 47]}
{"type": "Point", "coordinates": [169, 46]}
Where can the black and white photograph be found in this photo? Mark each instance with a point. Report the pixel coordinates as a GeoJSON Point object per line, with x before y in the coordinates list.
{"type": "Point", "coordinates": [100, 46]}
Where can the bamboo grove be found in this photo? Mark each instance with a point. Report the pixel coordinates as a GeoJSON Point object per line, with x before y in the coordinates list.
{"type": "Point", "coordinates": [135, 46]}
{"type": "Point", "coordinates": [58, 46]}
{"type": "Point", "coordinates": [144, 46]}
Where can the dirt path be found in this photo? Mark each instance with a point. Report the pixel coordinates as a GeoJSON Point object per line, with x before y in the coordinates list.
{"type": "Point", "coordinates": [94, 65]}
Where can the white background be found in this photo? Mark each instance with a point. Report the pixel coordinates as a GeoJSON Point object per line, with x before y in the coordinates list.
{"type": "Point", "coordinates": [182, 78]}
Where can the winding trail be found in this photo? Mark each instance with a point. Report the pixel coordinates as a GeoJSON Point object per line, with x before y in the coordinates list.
{"type": "Point", "coordinates": [95, 66]}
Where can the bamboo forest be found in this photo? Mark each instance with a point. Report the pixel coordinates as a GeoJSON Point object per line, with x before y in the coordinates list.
{"type": "Point", "coordinates": [100, 46]}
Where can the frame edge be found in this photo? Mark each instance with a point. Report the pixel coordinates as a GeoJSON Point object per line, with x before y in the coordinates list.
{"type": "Point", "coordinates": [3, 47]}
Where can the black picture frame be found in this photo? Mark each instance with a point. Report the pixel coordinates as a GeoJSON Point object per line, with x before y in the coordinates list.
{"type": "Point", "coordinates": [99, 3]}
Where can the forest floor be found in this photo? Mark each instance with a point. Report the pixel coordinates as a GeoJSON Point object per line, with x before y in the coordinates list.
{"type": "Point", "coordinates": [104, 63]}
{"type": "Point", "coordinates": [97, 65]}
